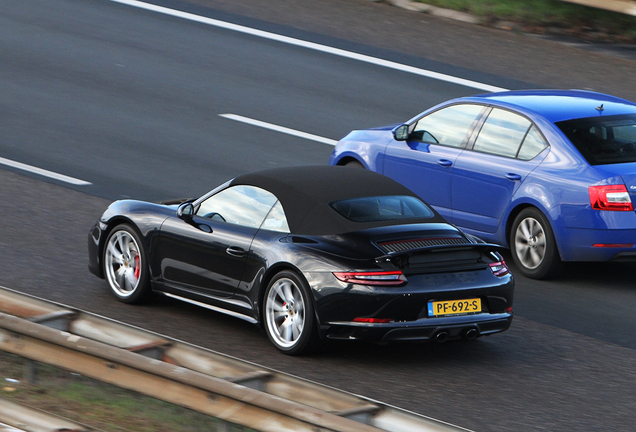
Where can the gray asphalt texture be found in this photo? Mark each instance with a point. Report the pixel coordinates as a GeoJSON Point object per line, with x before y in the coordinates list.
{"type": "Point", "coordinates": [129, 100]}
{"type": "Point", "coordinates": [533, 377]}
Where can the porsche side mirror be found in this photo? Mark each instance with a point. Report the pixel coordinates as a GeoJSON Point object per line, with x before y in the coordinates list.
{"type": "Point", "coordinates": [401, 133]}
{"type": "Point", "coordinates": [185, 211]}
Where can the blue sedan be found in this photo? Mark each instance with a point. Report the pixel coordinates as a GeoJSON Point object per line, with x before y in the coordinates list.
{"type": "Point", "coordinates": [549, 174]}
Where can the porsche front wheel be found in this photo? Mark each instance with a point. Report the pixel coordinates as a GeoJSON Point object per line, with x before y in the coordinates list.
{"type": "Point", "coordinates": [125, 266]}
{"type": "Point", "coordinates": [289, 314]}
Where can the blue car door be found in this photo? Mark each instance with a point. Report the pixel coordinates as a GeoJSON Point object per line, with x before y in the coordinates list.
{"type": "Point", "coordinates": [424, 162]}
{"type": "Point", "coordinates": [505, 151]}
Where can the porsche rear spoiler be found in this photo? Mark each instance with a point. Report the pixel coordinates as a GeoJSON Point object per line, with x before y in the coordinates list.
{"type": "Point", "coordinates": [487, 247]}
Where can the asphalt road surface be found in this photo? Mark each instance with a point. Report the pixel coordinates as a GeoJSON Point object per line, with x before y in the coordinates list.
{"type": "Point", "coordinates": [130, 101]}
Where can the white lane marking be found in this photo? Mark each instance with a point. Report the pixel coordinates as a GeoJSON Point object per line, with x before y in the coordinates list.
{"type": "Point", "coordinates": [312, 45]}
{"type": "Point", "coordinates": [277, 128]}
{"type": "Point", "coordinates": [43, 172]}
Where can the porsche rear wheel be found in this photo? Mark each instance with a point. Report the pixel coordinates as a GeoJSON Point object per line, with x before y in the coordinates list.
{"type": "Point", "coordinates": [533, 246]}
{"type": "Point", "coordinates": [125, 265]}
{"type": "Point", "coordinates": [289, 314]}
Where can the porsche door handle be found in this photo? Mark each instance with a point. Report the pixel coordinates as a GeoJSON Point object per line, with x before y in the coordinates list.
{"type": "Point", "coordinates": [204, 228]}
{"type": "Point", "coordinates": [444, 162]}
{"type": "Point", "coordinates": [236, 251]}
{"type": "Point", "coordinates": [513, 176]}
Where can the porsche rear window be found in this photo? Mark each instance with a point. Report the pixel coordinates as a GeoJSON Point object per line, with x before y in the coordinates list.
{"type": "Point", "coordinates": [382, 208]}
{"type": "Point", "coordinates": [603, 140]}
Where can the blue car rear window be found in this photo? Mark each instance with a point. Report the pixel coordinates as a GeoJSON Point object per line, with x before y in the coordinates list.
{"type": "Point", "coordinates": [382, 208]}
{"type": "Point", "coordinates": [603, 140]}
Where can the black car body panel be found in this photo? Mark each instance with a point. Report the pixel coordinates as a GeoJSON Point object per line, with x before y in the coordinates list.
{"type": "Point", "coordinates": [228, 266]}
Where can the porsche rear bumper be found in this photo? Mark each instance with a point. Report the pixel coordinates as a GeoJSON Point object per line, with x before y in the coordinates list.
{"type": "Point", "coordinates": [424, 329]}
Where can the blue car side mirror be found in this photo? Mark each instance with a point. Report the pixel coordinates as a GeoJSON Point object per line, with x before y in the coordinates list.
{"type": "Point", "coordinates": [401, 133]}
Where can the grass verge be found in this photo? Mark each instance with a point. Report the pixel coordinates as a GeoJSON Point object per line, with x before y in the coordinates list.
{"type": "Point", "coordinates": [549, 17]}
{"type": "Point", "coordinates": [96, 404]}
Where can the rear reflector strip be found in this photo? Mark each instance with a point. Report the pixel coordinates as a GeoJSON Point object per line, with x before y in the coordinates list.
{"type": "Point", "coordinates": [373, 320]}
{"type": "Point", "coordinates": [613, 245]}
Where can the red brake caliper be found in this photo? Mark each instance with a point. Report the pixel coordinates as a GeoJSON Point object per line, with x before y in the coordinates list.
{"type": "Point", "coordinates": [137, 267]}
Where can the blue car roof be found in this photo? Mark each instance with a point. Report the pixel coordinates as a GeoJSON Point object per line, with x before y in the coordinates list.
{"type": "Point", "coordinates": [559, 105]}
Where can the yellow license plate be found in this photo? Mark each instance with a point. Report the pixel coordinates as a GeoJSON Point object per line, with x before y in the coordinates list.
{"type": "Point", "coordinates": [454, 307]}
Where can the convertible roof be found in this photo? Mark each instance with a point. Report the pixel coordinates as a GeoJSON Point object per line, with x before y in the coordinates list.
{"type": "Point", "coordinates": [306, 191]}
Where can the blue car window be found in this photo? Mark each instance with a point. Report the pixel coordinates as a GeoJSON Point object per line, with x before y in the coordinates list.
{"type": "Point", "coordinates": [625, 132]}
{"type": "Point", "coordinates": [502, 133]}
{"type": "Point", "coordinates": [603, 140]}
{"type": "Point", "coordinates": [532, 145]}
{"type": "Point", "coordinates": [448, 126]}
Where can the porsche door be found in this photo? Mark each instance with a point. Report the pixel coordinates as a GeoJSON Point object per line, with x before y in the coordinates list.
{"type": "Point", "coordinates": [207, 251]}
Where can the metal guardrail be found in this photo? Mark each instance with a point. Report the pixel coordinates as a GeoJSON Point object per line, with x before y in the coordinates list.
{"type": "Point", "coordinates": [627, 7]}
{"type": "Point", "coordinates": [18, 418]}
{"type": "Point", "coordinates": [9, 428]}
{"type": "Point", "coordinates": [211, 383]}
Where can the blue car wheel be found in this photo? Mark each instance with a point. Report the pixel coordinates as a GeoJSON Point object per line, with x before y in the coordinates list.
{"type": "Point", "coordinates": [532, 245]}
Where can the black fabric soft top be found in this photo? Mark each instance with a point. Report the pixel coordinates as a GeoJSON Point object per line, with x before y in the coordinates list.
{"type": "Point", "coordinates": [306, 191]}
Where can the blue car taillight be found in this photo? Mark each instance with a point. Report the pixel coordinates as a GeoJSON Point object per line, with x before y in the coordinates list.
{"type": "Point", "coordinates": [610, 197]}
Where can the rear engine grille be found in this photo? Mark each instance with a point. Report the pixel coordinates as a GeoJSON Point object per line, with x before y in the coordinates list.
{"type": "Point", "coordinates": [407, 245]}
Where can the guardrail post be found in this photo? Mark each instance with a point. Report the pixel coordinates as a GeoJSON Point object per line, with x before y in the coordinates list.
{"type": "Point", "coordinates": [223, 426]}
{"type": "Point", "coordinates": [31, 372]}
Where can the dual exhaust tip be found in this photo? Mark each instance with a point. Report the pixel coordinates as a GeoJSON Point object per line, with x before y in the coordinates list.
{"type": "Point", "coordinates": [468, 334]}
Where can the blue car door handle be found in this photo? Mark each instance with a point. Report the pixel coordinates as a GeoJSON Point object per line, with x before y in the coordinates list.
{"type": "Point", "coordinates": [235, 251]}
{"type": "Point", "coordinates": [444, 162]}
{"type": "Point", "coordinates": [513, 176]}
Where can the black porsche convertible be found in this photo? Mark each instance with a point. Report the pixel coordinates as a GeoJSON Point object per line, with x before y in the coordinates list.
{"type": "Point", "coordinates": [309, 253]}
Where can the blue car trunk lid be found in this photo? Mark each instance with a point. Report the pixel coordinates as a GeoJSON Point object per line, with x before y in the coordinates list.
{"type": "Point", "coordinates": [630, 183]}
{"type": "Point", "coordinates": [627, 172]}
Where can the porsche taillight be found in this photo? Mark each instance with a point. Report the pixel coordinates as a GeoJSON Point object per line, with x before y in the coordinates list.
{"type": "Point", "coordinates": [499, 268]}
{"type": "Point", "coordinates": [611, 198]}
{"type": "Point", "coordinates": [372, 277]}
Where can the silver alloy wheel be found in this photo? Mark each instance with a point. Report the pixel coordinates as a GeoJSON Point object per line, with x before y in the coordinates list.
{"type": "Point", "coordinates": [123, 263]}
{"type": "Point", "coordinates": [530, 243]}
{"type": "Point", "coordinates": [285, 312]}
